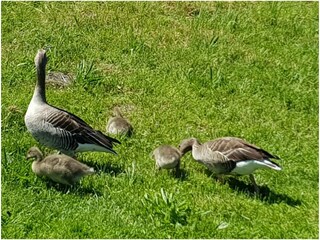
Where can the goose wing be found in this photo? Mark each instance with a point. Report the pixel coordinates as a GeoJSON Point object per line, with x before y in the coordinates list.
{"type": "Point", "coordinates": [244, 153]}
{"type": "Point", "coordinates": [239, 149]}
{"type": "Point", "coordinates": [69, 124]}
{"type": "Point", "coordinates": [263, 153]}
{"type": "Point", "coordinates": [247, 154]}
{"type": "Point", "coordinates": [224, 144]}
{"type": "Point", "coordinates": [218, 162]}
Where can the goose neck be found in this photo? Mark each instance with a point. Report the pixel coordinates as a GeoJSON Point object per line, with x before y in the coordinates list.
{"type": "Point", "coordinates": [195, 145]}
{"type": "Point", "coordinates": [40, 89]}
{"type": "Point", "coordinates": [38, 156]}
{"type": "Point", "coordinates": [188, 145]}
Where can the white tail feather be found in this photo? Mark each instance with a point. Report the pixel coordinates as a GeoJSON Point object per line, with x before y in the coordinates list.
{"type": "Point", "coordinates": [91, 171]}
{"type": "Point", "coordinates": [249, 166]}
{"type": "Point", "coordinates": [271, 165]}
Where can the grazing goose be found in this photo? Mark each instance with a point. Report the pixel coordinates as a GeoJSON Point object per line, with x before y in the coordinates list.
{"type": "Point", "coordinates": [230, 155]}
{"type": "Point", "coordinates": [59, 129]}
{"type": "Point", "coordinates": [167, 157]}
{"type": "Point", "coordinates": [58, 167]}
{"type": "Point", "coordinates": [118, 124]}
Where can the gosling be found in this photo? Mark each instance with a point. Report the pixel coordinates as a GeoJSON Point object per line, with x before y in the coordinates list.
{"type": "Point", "coordinates": [167, 157]}
{"type": "Point", "coordinates": [118, 125]}
{"type": "Point", "coordinates": [58, 167]}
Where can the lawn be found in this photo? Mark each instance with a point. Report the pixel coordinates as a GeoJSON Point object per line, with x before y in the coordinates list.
{"type": "Point", "coordinates": [176, 70]}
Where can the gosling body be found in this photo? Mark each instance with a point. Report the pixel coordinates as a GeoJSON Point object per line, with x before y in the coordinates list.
{"type": "Point", "coordinates": [58, 167]}
{"type": "Point", "coordinates": [118, 124]}
{"type": "Point", "coordinates": [167, 157]}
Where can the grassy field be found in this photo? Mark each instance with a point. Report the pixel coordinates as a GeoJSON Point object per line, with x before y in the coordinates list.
{"type": "Point", "coordinates": [176, 70]}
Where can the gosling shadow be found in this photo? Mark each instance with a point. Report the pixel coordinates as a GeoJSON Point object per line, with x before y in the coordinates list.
{"type": "Point", "coordinates": [180, 175]}
{"type": "Point", "coordinates": [76, 189]}
{"type": "Point", "coordinates": [112, 169]}
{"type": "Point", "coordinates": [265, 195]}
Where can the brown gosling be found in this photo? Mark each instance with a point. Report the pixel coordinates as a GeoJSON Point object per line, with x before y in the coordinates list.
{"type": "Point", "coordinates": [230, 156]}
{"type": "Point", "coordinates": [118, 124]}
{"type": "Point", "coordinates": [58, 167]}
{"type": "Point", "coordinates": [167, 157]}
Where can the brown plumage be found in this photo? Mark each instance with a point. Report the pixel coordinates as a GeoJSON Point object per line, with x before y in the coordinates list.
{"type": "Point", "coordinates": [118, 124]}
{"type": "Point", "coordinates": [58, 167]}
{"type": "Point", "coordinates": [230, 155]}
{"type": "Point", "coordinates": [167, 157]}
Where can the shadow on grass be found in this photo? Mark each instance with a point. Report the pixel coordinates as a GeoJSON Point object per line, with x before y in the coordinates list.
{"type": "Point", "coordinates": [181, 175]}
{"type": "Point", "coordinates": [108, 168]}
{"type": "Point", "coordinates": [265, 195]}
{"type": "Point", "coordinates": [75, 189]}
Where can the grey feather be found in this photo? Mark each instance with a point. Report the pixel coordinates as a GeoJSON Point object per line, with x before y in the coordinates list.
{"type": "Point", "coordinates": [57, 128]}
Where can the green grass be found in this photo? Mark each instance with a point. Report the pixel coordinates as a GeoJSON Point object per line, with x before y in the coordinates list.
{"type": "Point", "coordinates": [178, 70]}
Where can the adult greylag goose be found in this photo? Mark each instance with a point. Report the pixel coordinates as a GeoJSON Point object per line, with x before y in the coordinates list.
{"type": "Point", "coordinates": [58, 167]}
{"type": "Point", "coordinates": [167, 157]}
{"type": "Point", "coordinates": [59, 129]}
{"type": "Point", "coordinates": [230, 156]}
{"type": "Point", "coordinates": [118, 124]}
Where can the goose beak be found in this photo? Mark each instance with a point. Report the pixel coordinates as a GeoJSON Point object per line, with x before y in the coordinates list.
{"type": "Point", "coordinates": [29, 156]}
{"type": "Point", "coordinates": [47, 48]}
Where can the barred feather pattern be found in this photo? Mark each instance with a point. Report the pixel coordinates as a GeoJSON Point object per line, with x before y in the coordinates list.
{"type": "Point", "coordinates": [221, 156]}
{"type": "Point", "coordinates": [59, 129]}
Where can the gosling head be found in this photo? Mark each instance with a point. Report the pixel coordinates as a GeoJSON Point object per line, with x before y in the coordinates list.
{"type": "Point", "coordinates": [116, 112]}
{"type": "Point", "coordinates": [186, 145]}
{"type": "Point", "coordinates": [34, 153]}
{"type": "Point", "coordinates": [40, 59]}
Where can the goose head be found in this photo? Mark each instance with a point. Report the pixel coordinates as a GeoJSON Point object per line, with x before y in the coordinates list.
{"type": "Point", "coordinates": [40, 59]}
{"type": "Point", "coordinates": [34, 153]}
{"type": "Point", "coordinates": [187, 144]}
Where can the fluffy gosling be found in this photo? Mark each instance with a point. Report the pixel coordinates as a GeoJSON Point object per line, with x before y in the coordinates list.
{"type": "Point", "coordinates": [58, 167]}
{"type": "Point", "coordinates": [118, 124]}
{"type": "Point", "coordinates": [167, 157]}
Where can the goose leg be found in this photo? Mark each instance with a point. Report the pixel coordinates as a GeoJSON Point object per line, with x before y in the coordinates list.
{"type": "Point", "coordinates": [177, 169]}
{"type": "Point", "coordinates": [256, 189]}
{"type": "Point", "coordinates": [220, 179]}
{"type": "Point", "coordinates": [156, 169]}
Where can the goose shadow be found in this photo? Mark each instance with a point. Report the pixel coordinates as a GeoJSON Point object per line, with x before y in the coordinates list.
{"type": "Point", "coordinates": [112, 169]}
{"type": "Point", "coordinates": [265, 195]}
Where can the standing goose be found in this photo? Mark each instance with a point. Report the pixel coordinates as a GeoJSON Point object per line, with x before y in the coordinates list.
{"type": "Point", "coordinates": [118, 124]}
{"type": "Point", "coordinates": [58, 167]}
{"type": "Point", "coordinates": [230, 155]}
{"type": "Point", "coordinates": [59, 129]}
{"type": "Point", "coordinates": [167, 157]}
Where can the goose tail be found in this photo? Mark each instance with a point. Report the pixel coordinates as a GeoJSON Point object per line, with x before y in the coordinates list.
{"type": "Point", "coordinates": [271, 164]}
{"type": "Point", "coordinates": [91, 171]}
